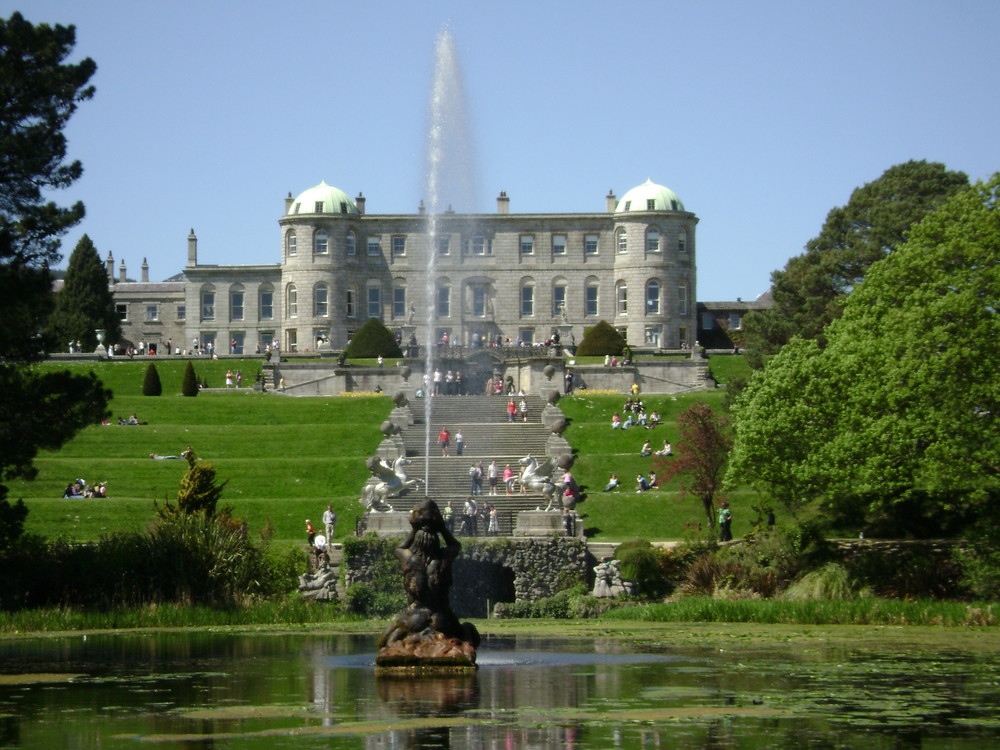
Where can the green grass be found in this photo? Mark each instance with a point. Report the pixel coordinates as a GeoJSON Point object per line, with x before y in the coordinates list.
{"type": "Point", "coordinates": [860, 611]}
{"type": "Point", "coordinates": [286, 458]}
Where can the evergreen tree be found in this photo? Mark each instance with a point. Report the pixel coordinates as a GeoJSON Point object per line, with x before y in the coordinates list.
{"type": "Point", "coordinates": [85, 302]}
{"type": "Point", "coordinates": [601, 339]}
{"type": "Point", "coordinates": [189, 386]}
{"type": "Point", "coordinates": [373, 339]}
{"type": "Point", "coordinates": [199, 492]}
{"type": "Point", "coordinates": [40, 92]}
{"type": "Point", "coordinates": [151, 385]}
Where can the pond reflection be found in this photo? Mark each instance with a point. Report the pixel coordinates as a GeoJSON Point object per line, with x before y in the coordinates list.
{"type": "Point", "coordinates": [249, 691]}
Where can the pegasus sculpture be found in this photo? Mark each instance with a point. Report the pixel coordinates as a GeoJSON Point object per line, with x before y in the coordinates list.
{"type": "Point", "coordinates": [538, 478]}
{"type": "Point", "coordinates": [392, 482]}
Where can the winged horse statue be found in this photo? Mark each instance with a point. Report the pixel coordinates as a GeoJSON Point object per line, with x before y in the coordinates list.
{"type": "Point", "coordinates": [392, 482]}
{"type": "Point", "coordinates": [538, 477]}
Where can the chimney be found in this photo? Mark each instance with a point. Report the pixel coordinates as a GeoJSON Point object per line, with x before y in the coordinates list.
{"type": "Point", "coordinates": [422, 209]}
{"type": "Point", "coordinates": [145, 271]}
{"type": "Point", "coordinates": [109, 265]}
{"type": "Point", "coordinates": [122, 274]}
{"type": "Point", "coordinates": [288, 203]}
{"type": "Point", "coordinates": [503, 203]}
{"type": "Point", "coordinates": [192, 249]}
{"type": "Point", "coordinates": [360, 203]}
{"type": "Point", "coordinates": [612, 201]}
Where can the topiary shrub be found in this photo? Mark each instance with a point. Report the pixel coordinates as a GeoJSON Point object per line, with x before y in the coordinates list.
{"type": "Point", "coordinates": [189, 386]}
{"type": "Point", "coordinates": [152, 386]}
{"type": "Point", "coordinates": [600, 340]}
{"type": "Point", "coordinates": [372, 340]}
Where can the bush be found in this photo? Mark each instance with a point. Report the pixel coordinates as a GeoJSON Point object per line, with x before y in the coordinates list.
{"type": "Point", "coordinates": [570, 604]}
{"type": "Point", "coordinates": [832, 581]}
{"type": "Point", "coordinates": [980, 562]}
{"type": "Point", "coordinates": [189, 386]}
{"type": "Point", "coordinates": [639, 561]}
{"type": "Point", "coordinates": [600, 340]}
{"type": "Point", "coordinates": [373, 339]}
{"type": "Point", "coordinates": [151, 385]}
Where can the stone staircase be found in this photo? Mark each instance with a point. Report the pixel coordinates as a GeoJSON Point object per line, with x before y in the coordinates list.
{"type": "Point", "coordinates": [488, 436]}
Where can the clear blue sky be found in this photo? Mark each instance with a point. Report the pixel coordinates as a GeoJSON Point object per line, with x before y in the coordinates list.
{"type": "Point", "coordinates": [762, 116]}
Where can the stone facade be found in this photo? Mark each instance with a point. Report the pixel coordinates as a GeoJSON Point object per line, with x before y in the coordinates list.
{"type": "Point", "coordinates": [516, 276]}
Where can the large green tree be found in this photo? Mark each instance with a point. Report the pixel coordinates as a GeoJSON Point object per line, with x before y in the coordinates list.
{"type": "Point", "coordinates": [899, 412]}
{"type": "Point", "coordinates": [809, 292]}
{"type": "Point", "coordinates": [39, 91]}
{"type": "Point", "coordinates": [85, 302]}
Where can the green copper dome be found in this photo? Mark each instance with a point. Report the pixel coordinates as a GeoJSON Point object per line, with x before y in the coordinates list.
{"type": "Point", "coordinates": [638, 199]}
{"type": "Point", "coordinates": [323, 199]}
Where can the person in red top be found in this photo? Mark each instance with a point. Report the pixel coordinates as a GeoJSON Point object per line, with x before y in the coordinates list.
{"type": "Point", "coordinates": [511, 410]}
{"type": "Point", "coordinates": [444, 438]}
{"type": "Point", "coordinates": [311, 532]}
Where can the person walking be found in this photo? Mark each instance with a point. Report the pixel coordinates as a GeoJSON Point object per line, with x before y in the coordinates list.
{"type": "Point", "coordinates": [310, 532]}
{"type": "Point", "coordinates": [493, 472]}
{"type": "Point", "coordinates": [330, 522]}
{"type": "Point", "coordinates": [725, 522]}
{"type": "Point", "coordinates": [444, 440]}
{"type": "Point", "coordinates": [511, 411]}
{"type": "Point", "coordinates": [459, 442]}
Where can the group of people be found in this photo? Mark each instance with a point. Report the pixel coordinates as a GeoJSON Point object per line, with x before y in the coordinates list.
{"type": "Point", "coordinates": [319, 542]}
{"type": "Point", "coordinates": [647, 449]}
{"type": "Point", "coordinates": [635, 414]}
{"type": "Point", "coordinates": [231, 378]}
{"type": "Point", "coordinates": [642, 482]}
{"type": "Point", "coordinates": [473, 516]}
{"type": "Point", "coordinates": [449, 383]}
{"type": "Point", "coordinates": [79, 488]}
{"type": "Point", "coordinates": [513, 409]}
{"type": "Point", "coordinates": [133, 419]}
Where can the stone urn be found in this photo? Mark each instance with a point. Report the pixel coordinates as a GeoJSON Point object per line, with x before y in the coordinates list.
{"type": "Point", "coordinates": [548, 371]}
{"type": "Point", "coordinates": [405, 373]}
{"type": "Point", "coordinates": [552, 397]}
{"type": "Point", "coordinates": [399, 399]}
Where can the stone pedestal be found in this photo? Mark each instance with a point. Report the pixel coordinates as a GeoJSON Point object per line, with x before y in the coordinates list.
{"type": "Point", "coordinates": [544, 523]}
{"type": "Point", "coordinates": [391, 448]}
{"type": "Point", "coordinates": [391, 523]}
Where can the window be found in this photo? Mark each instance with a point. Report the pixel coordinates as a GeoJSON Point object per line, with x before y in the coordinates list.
{"type": "Point", "coordinates": [292, 339]}
{"type": "Point", "coordinates": [651, 335]}
{"type": "Point", "coordinates": [297, 207]}
{"type": "Point", "coordinates": [266, 307]}
{"type": "Point", "coordinates": [682, 336]}
{"type": "Point", "coordinates": [236, 296]}
{"type": "Point", "coordinates": [682, 237]}
{"type": "Point", "coordinates": [292, 301]}
{"type": "Point", "coordinates": [444, 302]}
{"type": "Point", "coordinates": [152, 313]}
{"type": "Point", "coordinates": [343, 207]}
{"type": "Point", "coordinates": [321, 301]}
{"type": "Point", "coordinates": [526, 336]}
{"type": "Point", "coordinates": [653, 298]}
{"type": "Point", "coordinates": [399, 302]}
{"type": "Point", "coordinates": [319, 207]}
{"type": "Point", "coordinates": [291, 242]}
{"type": "Point", "coordinates": [122, 310]}
{"type": "Point", "coordinates": [628, 205]}
{"type": "Point", "coordinates": [374, 246]}
{"type": "Point", "coordinates": [590, 300]}
{"type": "Point", "coordinates": [735, 321]}
{"type": "Point", "coordinates": [352, 302]}
{"type": "Point", "coordinates": [480, 245]}
{"type": "Point", "coordinates": [208, 303]}
{"type": "Point", "coordinates": [321, 243]}
{"type": "Point", "coordinates": [621, 294]}
{"type": "Point", "coordinates": [682, 298]}
{"type": "Point", "coordinates": [237, 342]}
{"type": "Point", "coordinates": [590, 244]}
{"type": "Point", "coordinates": [399, 245]}
{"type": "Point", "coordinates": [442, 245]}
{"type": "Point", "coordinates": [181, 312]}
{"type": "Point", "coordinates": [479, 301]}
{"type": "Point", "coordinates": [650, 204]}
{"type": "Point", "coordinates": [559, 244]}
{"type": "Point", "coordinates": [652, 240]}
{"type": "Point", "coordinates": [527, 244]}
{"type": "Point", "coordinates": [351, 244]}
{"type": "Point", "coordinates": [558, 300]}
{"type": "Point", "coordinates": [621, 240]}
{"type": "Point", "coordinates": [374, 302]}
{"type": "Point", "coordinates": [527, 301]}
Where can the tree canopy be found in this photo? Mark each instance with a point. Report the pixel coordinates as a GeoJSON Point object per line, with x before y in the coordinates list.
{"type": "Point", "coordinates": [809, 292]}
{"type": "Point", "coordinates": [903, 400]}
{"type": "Point", "coordinates": [373, 339]}
{"type": "Point", "coordinates": [85, 302]}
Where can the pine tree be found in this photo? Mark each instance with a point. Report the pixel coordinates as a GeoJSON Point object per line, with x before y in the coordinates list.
{"type": "Point", "coordinates": [601, 339]}
{"type": "Point", "coordinates": [373, 339]}
{"type": "Point", "coordinates": [189, 387]}
{"type": "Point", "coordinates": [198, 494]}
{"type": "Point", "coordinates": [85, 302]}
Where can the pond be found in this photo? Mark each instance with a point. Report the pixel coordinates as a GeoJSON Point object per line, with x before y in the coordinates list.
{"type": "Point", "coordinates": [245, 691]}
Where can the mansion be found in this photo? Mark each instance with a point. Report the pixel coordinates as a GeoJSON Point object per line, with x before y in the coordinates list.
{"type": "Point", "coordinates": [516, 276]}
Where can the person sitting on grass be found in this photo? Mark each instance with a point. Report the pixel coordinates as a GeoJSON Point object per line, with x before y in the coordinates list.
{"type": "Point", "coordinates": [654, 419]}
{"type": "Point", "coordinates": [616, 421]}
{"type": "Point", "coordinates": [647, 449]}
{"type": "Point", "coordinates": [641, 483]}
{"type": "Point", "coordinates": [613, 483]}
{"type": "Point", "coordinates": [666, 450]}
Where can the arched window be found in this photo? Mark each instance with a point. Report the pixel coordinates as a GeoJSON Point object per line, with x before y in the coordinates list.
{"type": "Point", "coordinates": [682, 238]}
{"type": "Point", "coordinates": [591, 298]}
{"type": "Point", "coordinates": [321, 301]}
{"type": "Point", "coordinates": [352, 301]}
{"type": "Point", "coordinates": [236, 302]}
{"type": "Point", "coordinates": [653, 297]}
{"type": "Point", "coordinates": [527, 299]}
{"type": "Point", "coordinates": [652, 240]}
{"type": "Point", "coordinates": [321, 243]}
{"type": "Point", "coordinates": [682, 299]}
{"type": "Point", "coordinates": [443, 300]}
{"type": "Point", "coordinates": [351, 244]}
{"type": "Point", "coordinates": [559, 299]}
{"type": "Point", "coordinates": [621, 296]}
{"type": "Point", "coordinates": [291, 243]}
{"type": "Point", "coordinates": [621, 240]}
{"type": "Point", "coordinates": [291, 301]}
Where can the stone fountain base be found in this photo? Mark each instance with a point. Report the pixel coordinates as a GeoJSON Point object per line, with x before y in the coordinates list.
{"type": "Point", "coordinates": [419, 639]}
